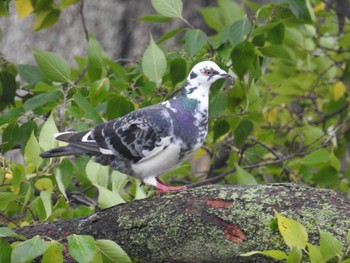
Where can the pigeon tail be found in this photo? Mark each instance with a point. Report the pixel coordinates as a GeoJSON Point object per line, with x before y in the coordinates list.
{"type": "Point", "coordinates": [64, 151]}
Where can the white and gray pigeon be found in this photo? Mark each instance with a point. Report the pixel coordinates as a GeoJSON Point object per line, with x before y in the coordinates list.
{"type": "Point", "coordinates": [150, 141]}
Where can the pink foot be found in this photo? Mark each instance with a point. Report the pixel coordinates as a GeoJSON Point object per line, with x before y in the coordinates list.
{"type": "Point", "coordinates": [163, 188]}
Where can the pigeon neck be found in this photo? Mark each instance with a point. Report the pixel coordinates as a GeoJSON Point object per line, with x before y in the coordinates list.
{"type": "Point", "coordinates": [196, 91]}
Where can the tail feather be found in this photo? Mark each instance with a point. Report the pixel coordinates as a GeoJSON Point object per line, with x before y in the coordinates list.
{"type": "Point", "coordinates": [64, 151]}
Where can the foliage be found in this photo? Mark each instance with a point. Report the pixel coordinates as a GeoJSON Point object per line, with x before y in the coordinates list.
{"type": "Point", "coordinates": [286, 118]}
{"type": "Point", "coordinates": [296, 238]}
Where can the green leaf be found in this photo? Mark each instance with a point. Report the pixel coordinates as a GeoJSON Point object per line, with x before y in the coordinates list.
{"type": "Point", "coordinates": [89, 111]}
{"type": "Point", "coordinates": [28, 250]}
{"type": "Point", "coordinates": [168, 8]}
{"type": "Point", "coordinates": [243, 57]}
{"type": "Point", "coordinates": [95, 59]}
{"type": "Point", "coordinates": [53, 66]}
{"type": "Point", "coordinates": [293, 232]}
{"type": "Point", "coordinates": [111, 252]}
{"type": "Point", "coordinates": [107, 198]}
{"type": "Point", "coordinates": [221, 127]}
{"type": "Point", "coordinates": [10, 137]}
{"type": "Point", "coordinates": [18, 174]}
{"type": "Point", "coordinates": [264, 28]}
{"type": "Point", "coordinates": [6, 250]}
{"type": "Point", "coordinates": [82, 248]}
{"type": "Point", "coordinates": [7, 87]}
{"type": "Point", "coordinates": [5, 199]}
{"type": "Point", "coordinates": [276, 254]}
{"type": "Point", "coordinates": [243, 177]}
{"type": "Point", "coordinates": [46, 199]}
{"type": "Point", "coordinates": [46, 18]}
{"type": "Point", "coordinates": [31, 74]}
{"type": "Point", "coordinates": [321, 156]}
{"type": "Point", "coordinates": [348, 238]}
{"type": "Point", "coordinates": [119, 106]}
{"type": "Point", "coordinates": [53, 253]}
{"type": "Point", "coordinates": [275, 51]}
{"type": "Point", "coordinates": [212, 17]}
{"type": "Point", "coordinates": [154, 62]}
{"type": "Point", "coordinates": [41, 99]}
{"type": "Point", "coordinates": [8, 232]}
{"type": "Point", "coordinates": [154, 18]}
{"type": "Point", "coordinates": [295, 255]}
{"type": "Point", "coordinates": [276, 35]}
{"type": "Point", "coordinates": [67, 3]}
{"type": "Point", "coordinates": [169, 34]}
{"type": "Point", "coordinates": [195, 40]}
{"type": "Point", "coordinates": [243, 130]}
{"type": "Point", "coordinates": [98, 174]}
{"type": "Point", "coordinates": [326, 176]}
{"type": "Point", "coordinates": [299, 9]}
{"type": "Point", "coordinates": [46, 136]}
{"type": "Point", "coordinates": [178, 70]}
{"type": "Point", "coordinates": [98, 90]}
{"type": "Point", "coordinates": [315, 254]}
{"type": "Point", "coordinates": [32, 151]}
{"type": "Point", "coordinates": [11, 115]}
{"type": "Point", "coordinates": [230, 11]}
{"type": "Point", "coordinates": [239, 31]}
{"type": "Point", "coordinates": [330, 246]}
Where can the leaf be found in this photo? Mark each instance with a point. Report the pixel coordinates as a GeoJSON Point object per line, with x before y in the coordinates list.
{"type": "Point", "coordinates": [326, 176]}
{"type": "Point", "coordinates": [154, 62]}
{"type": "Point", "coordinates": [10, 137]}
{"type": "Point", "coordinates": [53, 253]}
{"type": "Point", "coordinates": [46, 136]}
{"type": "Point", "coordinates": [53, 66]}
{"type": "Point", "coordinates": [295, 255]}
{"type": "Point", "coordinates": [230, 11]}
{"type": "Point", "coordinates": [7, 87]}
{"type": "Point", "coordinates": [44, 184]}
{"type": "Point", "coordinates": [276, 254]}
{"type": "Point", "coordinates": [243, 57]}
{"type": "Point", "coordinates": [6, 250]}
{"type": "Point", "coordinates": [11, 115]}
{"type": "Point", "coordinates": [41, 99]}
{"type": "Point", "coordinates": [98, 174]}
{"type": "Point", "coordinates": [119, 106]}
{"type": "Point", "coordinates": [18, 174]}
{"type": "Point", "coordinates": [212, 17]}
{"type": "Point", "coordinates": [315, 254]}
{"type": "Point", "coordinates": [46, 199]}
{"type": "Point", "coordinates": [23, 7]}
{"type": "Point", "coordinates": [111, 252]}
{"type": "Point", "coordinates": [169, 34]}
{"type": "Point", "coordinates": [89, 110]}
{"type": "Point", "coordinates": [195, 40]}
{"type": "Point", "coordinates": [275, 51]}
{"type": "Point", "coordinates": [82, 248]}
{"type": "Point", "coordinates": [244, 128]}
{"type": "Point", "coordinates": [95, 59]}
{"type": "Point", "coordinates": [46, 18]}
{"type": "Point", "coordinates": [338, 90]}
{"type": "Point", "coordinates": [168, 8]}
{"type": "Point", "coordinates": [330, 246]}
{"type": "Point", "coordinates": [67, 3]}
{"type": "Point", "coordinates": [293, 232]}
{"type": "Point", "coordinates": [221, 127]}
{"type": "Point", "coordinates": [178, 70]}
{"type": "Point", "coordinates": [239, 31]}
{"type": "Point", "coordinates": [243, 177]}
{"type": "Point", "coordinates": [28, 250]}
{"type": "Point", "coordinates": [31, 74]}
{"type": "Point", "coordinates": [317, 157]}
{"type": "Point", "coordinates": [8, 232]}
{"type": "Point", "coordinates": [32, 151]}
{"type": "Point", "coordinates": [5, 199]}
{"type": "Point", "coordinates": [107, 198]}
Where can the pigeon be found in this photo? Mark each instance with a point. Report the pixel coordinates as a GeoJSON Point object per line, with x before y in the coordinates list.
{"type": "Point", "coordinates": [150, 141]}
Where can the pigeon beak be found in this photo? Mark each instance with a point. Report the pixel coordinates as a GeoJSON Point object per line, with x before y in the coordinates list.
{"type": "Point", "coordinates": [227, 76]}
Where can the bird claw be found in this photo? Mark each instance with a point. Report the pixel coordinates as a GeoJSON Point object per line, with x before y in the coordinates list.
{"type": "Point", "coordinates": [164, 188]}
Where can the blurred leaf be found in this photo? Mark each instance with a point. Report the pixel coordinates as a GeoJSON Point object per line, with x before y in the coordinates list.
{"type": "Point", "coordinates": [195, 40]}
{"type": "Point", "coordinates": [264, 28]}
{"type": "Point", "coordinates": [330, 246]}
{"type": "Point", "coordinates": [23, 7]}
{"type": "Point", "coordinates": [293, 232]}
{"type": "Point", "coordinates": [317, 157]}
{"type": "Point", "coordinates": [46, 199]}
{"type": "Point", "coordinates": [4, 9]}
{"type": "Point", "coordinates": [98, 174]}
{"type": "Point", "coordinates": [28, 250]}
{"type": "Point", "coordinates": [169, 34]}
{"type": "Point", "coordinates": [239, 31]}
{"type": "Point", "coordinates": [276, 254]}
{"type": "Point", "coordinates": [53, 253]}
{"type": "Point", "coordinates": [178, 70]}
{"type": "Point", "coordinates": [326, 176]}
{"type": "Point", "coordinates": [111, 252]}
{"type": "Point", "coordinates": [221, 127]}
{"type": "Point", "coordinates": [18, 174]}
{"type": "Point", "coordinates": [47, 133]}
{"type": "Point", "coordinates": [46, 18]}
{"type": "Point", "coordinates": [67, 3]}
{"type": "Point", "coordinates": [53, 66]}
{"type": "Point", "coordinates": [118, 106]}
{"type": "Point", "coordinates": [11, 115]}
{"type": "Point", "coordinates": [274, 51]}
{"type": "Point", "coordinates": [6, 250]}
{"type": "Point", "coordinates": [41, 99]}
{"type": "Point", "coordinates": [212, 17]}
{"type": "Point", "coordinates": [82, 248]}
{"type": "Point", "coordinates": [154, 62]}
{"type": "Point", "coordinates": [44, 184]}
{"type": "Point", "coordinates": [107, 198]}
{"type": "Point", "coordinates": [243, 177]}
{"type": "Point", "coordinates": [339, 90]}
{"type": "Point", "coordinates": [95, 59]}
{"type": "Point", "coordinates": [295, 255]}
{"type": "Point", "coordinates": [168, 8]}
{"type": "Point", "coordinates": [243, 57]}
{"type": "Point", "coordinates": [89, 111]}
{"type": "Point", "coordinates": [276, 34]}
{"type": "Point", "coordinates": [243, 130]}
{"type": "Point", "coordinates": [32, 151]}
{"type": "Point", "coordinates": [7, 87]}
{"type": "Point", "coordinates": [8, 232]}
{"type": "Point", "coordinates": [98, 91]}
{"type": "Point", "coordinates": [31, 74]}
{"type": "Point", "coordinates": [315, 254]}
{"type": "Point", "coordinates": [154, 18]}
{"type": "Point", "coordinates": [230, 11]}
{"type": "Point", "coordinates": [10, 137]}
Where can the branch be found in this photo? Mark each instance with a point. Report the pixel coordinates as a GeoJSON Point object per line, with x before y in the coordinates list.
{"type": "Point", "coordinates": [208, 224]}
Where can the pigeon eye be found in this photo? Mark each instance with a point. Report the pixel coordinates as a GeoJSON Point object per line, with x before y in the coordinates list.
{"type": "Point", "coordinates": [207, 72]}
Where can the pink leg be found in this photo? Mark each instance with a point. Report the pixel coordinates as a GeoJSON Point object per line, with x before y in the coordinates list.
{"type": "Point", "coordinates": [162, 187]}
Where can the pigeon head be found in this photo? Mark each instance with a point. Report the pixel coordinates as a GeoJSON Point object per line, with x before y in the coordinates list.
{"type": "Point", "coordinates": [206, 73]}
